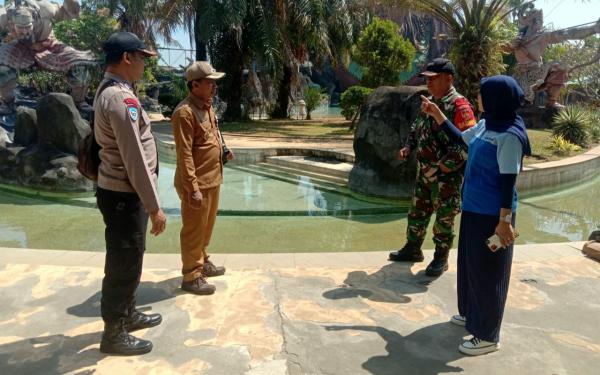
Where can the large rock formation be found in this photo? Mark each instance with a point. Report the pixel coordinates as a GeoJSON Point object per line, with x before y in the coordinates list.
{"type": "Point", "coordinates": [42, 154]}
{"type": "Point", "coordinates": [61, 125]}
{"type": "Point", "coordinates": [384, 125]}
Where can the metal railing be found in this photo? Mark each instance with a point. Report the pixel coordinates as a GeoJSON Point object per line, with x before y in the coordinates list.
{"type": "Point", "coordinates": [176, 57]}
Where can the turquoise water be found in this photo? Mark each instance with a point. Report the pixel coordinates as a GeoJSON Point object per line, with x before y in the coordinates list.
{"type": "Point", "coordinates": [262, 214]}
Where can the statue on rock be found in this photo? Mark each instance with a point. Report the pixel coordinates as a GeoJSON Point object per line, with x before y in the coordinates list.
{"type": "Point", "coordinates": [531, 72]}
{"type": "Point", "coordinates": [32, 43]}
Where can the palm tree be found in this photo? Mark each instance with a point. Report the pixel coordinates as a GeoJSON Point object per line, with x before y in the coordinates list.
{"type": "Point", "coordinates": [479, 29]}
{"type": "Point", "coordinates": [321, 30]}
{"type": "Point", "coordinates": [141, 17]}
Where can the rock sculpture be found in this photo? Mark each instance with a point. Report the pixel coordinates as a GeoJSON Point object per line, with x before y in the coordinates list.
{"type": "Point", "coordinates": [42, 153]}
{"type": "Point", "coordinates": [29, 24]}
{"type": "Point", "coordinates": [385, 122]}
{"type": "Point", "coordinates": [531, 72]}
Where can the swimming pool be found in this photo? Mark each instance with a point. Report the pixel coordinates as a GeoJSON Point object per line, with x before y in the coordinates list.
{"type": "Point", "coordinates": [263, 212]}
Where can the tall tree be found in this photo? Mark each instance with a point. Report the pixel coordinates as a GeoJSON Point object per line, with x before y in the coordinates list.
{"type": "Point", "coordinates": [383, 53]}
{"type": "Point", "coordinates": [141, 17]}
{"type": "Point", "coordinates": [319, 30]}
{"type": "Point", "coordinates": [479, 29]}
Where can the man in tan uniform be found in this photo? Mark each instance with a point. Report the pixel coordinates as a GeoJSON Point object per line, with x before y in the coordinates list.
{"type": "Point", "coordinates": [198, 175]}
{"type": "Point", "coordinates": [127, 192]}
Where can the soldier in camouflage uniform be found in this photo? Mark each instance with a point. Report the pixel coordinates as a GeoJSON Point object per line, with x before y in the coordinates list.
{"type": "Point", "coordinates": [439, 171]}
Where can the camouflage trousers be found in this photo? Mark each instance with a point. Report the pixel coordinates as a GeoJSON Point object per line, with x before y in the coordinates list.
{"type": "Point", "coordinates": [440, 193]}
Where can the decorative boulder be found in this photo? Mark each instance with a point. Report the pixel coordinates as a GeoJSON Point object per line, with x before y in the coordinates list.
{"type": "Point", "coordinates": [8, 163]}
{"type": "Point", "coordinates": [26, 132]}
{"type": "Point", "coordinates": [59, 122]}
{"type": "Point", "coordinates": [51, 138]}
{"type": "Point", "coordinates": [385, 122]}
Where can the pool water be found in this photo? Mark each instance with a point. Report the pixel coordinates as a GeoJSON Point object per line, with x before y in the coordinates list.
{"type": "Point", "coordinates": [264, 214]}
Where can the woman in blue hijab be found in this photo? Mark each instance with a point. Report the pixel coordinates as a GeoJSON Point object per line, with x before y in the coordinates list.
{"type": "Point", "coordinates": [496, 146]}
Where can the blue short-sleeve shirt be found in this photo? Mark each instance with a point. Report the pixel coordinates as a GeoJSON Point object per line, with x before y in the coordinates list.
{"type": "Point", "coordinates": [490, 154]}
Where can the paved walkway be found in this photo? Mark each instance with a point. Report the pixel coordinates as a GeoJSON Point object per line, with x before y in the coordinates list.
{"type": "Point", "coordinates": [236, 140]}
{"type": "Point", "coordinates": [348, 313]}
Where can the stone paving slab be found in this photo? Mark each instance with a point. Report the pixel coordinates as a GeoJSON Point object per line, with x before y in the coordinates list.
{"type": "Point", "coordinates": [326, 313]}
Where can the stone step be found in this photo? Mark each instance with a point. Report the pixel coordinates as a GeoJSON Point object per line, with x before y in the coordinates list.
{"type": "Point", "coordinates": [330, 167]}
{"type": "Point", "coordinates": [314, 176]}
{"type": "Point", "coordinates": [268, 171]}
{"type": "Point", "coordinates": [292, 176]}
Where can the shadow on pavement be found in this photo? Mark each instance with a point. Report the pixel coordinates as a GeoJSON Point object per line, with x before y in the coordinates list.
{"type": "Point", "coordinates": [427, 351]}
{"type": "Point", "coordinates": [56, 354]}
{"type": "Point", "coordinates": [147, 293]}
{"type": "Point", "coordinates": [390, 284]}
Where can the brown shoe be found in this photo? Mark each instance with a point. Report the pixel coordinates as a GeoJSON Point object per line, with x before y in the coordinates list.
{"type": "Point", "coordinates": [209, 269]}
{"type": "Point", "coordinates": [198, 286]}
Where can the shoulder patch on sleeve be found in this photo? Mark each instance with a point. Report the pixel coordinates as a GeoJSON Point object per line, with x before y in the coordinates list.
{"type": "Point", "coordinates": [132, 108]}
{"type": "Point", "coordinates": [463, 116]}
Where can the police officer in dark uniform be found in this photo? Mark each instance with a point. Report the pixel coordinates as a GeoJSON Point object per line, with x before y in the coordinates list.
{"type": "Point", "coordinates": [127, 192]}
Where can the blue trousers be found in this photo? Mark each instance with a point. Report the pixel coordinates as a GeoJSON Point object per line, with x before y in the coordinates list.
{"type": "Point", "coordinates": [483, 276]}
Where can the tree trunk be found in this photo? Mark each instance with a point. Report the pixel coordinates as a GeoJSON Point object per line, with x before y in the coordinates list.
{"type": "Point", "coordinates": [201, 50]}
{"type": "Point", "coordinates": [283, 94]}
{"type": "Point", "coordinates": [228, 58]}
{"type": "Point", "coordinates": [353, 122]}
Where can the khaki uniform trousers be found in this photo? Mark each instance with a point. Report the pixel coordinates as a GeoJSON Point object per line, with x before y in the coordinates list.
{"type": "Point", "coordinates": [196, 231]}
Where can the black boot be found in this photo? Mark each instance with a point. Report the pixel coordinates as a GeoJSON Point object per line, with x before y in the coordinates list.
{"type": "Point", "coordinates": [409, 253]}
{"type": "Point", "coordinates": [138, 320]}
{"type": "Point", "coordinates": [116, 340]}
{"type": "Point", "coordinates": [439, 264]}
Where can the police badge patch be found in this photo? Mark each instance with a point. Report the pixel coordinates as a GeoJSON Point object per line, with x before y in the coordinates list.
{"type": "Point", "coordinates": [132, 108]}
{"type": "Point", "coordinates": [133, 113]}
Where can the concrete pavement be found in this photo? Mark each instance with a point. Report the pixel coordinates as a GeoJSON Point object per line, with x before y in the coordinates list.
{"type": "Point", "coordinates": [325, 313]}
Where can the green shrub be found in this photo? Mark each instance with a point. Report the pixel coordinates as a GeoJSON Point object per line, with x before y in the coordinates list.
{"type": "Point", "coordinates": [44, 81]}
{"type": "Point", "coordinates": [171, 94]}
{"type": "Point", "coordinates": [595, 126]}
{"type": "Point", "coordinates": [382, 53]}
{"type": "Point", "coordinates": [352, 101]}
{"type": "Point", "coordinates": [573, 124]}
{"type": "Point", "coordinates": [563, 147]}
{"type": "Point", "coordinates": [313, 96]}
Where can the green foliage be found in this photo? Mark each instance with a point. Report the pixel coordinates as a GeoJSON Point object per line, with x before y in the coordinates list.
{"type": "Point", "coordinates": [353, 99]}
{"type": "Point", "coordinates": [573, 124]}
{"type": "Point", "coordinates": [594, 130]}
{"type": "Point", "coordinates": [584, 55]}
{"type": "Point", "coordinates": [382, 53]}
{"type": "Point", "coordinates": [88, 32]}
{"type": "Point", "coordinates": [478, 53]}
{"type": "Point", "coordinates": [563, 147]}
{"type": "Point", "coordinates": [150, 68]}
{"type": "Point", "coordinates": [480, 30]}
{"type": "Point", "coordinates": [43, 81]}
{"type": "Point", "coordinates": [172, 94]}
{"type": "Point", "coordinates": [313, 96]}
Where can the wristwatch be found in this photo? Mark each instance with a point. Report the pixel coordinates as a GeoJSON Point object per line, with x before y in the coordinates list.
{"type": "Point", "coordinates": [507, 218]}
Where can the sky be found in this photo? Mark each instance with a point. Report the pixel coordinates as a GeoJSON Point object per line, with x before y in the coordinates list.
{"type": "Point", "coordinates": [557, 14]}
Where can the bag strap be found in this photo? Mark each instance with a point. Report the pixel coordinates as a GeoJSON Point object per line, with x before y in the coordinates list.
{"type": "Point", "coordinates": [106, 85]}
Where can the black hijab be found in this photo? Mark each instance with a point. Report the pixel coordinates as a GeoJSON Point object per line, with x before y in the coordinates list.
{"type": "Point", "coordinates": [501, 97]}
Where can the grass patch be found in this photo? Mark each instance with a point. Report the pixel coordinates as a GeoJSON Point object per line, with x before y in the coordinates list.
{"type": "Point", "coordinates": [541, 147]}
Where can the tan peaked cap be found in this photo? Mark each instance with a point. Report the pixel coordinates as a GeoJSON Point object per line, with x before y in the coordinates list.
{"type": "Point", "coordinates": [202, 69]}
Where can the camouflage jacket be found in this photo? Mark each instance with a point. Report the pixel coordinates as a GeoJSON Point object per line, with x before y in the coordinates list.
{"type": "Point", "coordinates": [433, 146]}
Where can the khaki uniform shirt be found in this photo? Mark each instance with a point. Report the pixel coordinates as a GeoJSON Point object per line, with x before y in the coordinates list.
{"type": "Point", "coordinates": [128, 156]}
{"type": "Point", "coordinates": [198, 146]}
